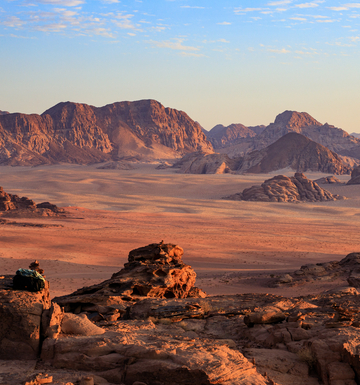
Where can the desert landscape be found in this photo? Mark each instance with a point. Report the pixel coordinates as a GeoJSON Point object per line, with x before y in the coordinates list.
{"type": "Point", "coordinates": [233, 246]}
{"type": "Point", "coordinates": [137, 248]}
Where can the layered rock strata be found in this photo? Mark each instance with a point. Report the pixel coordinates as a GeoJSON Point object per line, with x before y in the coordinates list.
{"type": "Point", "coordinates": [281, 188]}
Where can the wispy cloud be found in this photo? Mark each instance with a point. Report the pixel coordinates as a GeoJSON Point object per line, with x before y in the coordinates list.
{"type": "Point", "coordinates": [65, 3]}
{"type": "Point", "coordinates": [282, 50]}
{"type": "Point", "coordinates": [192, 7]}
{"type": "Point", "coordinates": [224, 23]}
{"type": "Point", "coordinates": [277, 3]}
{"type": "Point", "coordinates": [175, 44]}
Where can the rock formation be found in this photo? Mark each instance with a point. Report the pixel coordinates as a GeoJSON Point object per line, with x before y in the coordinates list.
{"type": "Point", "coordinates": [335, 139]}
{"type": "Point", "coordinates": [258, 339]}
{"type": "Point", "coordinates": [21, 320]}
{"type": "Point", "coordinates": [297, 152]}
{"type": "Point", "coordinates": [13, 204]}
{"type": "Point", "coordinates": [206, 163]}
{"type": "Point", "coordinates": [4, 112]}
{"type": "Point", "coordinates": [328, 180]}
{"type": "Point", "coordinates": [355, 176]}
{"type": "Point", "coordinates": [156, 270]}
{"type": "Point", "coordinates": [281, 188]}
{"type": "Point", "coordinates": [79, 133]}
{"type": "Point", "coordinates": [221, 136]}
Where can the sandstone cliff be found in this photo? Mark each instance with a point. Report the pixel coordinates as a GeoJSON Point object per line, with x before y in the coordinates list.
{"type": "Point", "coordinates": [79, 133]}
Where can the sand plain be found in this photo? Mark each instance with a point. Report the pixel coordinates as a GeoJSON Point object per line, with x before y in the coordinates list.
{"type": "Point", "coordinates": [233, 246]}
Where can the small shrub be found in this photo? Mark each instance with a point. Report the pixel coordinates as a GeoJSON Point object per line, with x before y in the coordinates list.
{"type": "Point", "coordinates": [307, 356]}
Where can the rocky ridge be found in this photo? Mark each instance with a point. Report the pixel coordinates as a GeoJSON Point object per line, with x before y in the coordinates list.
{"type": "Point", "coordinates": [335, 139]}
{"type": "Point", "coordinates": [292, 150]}
{"type": "Point", "coordinates": [281, 188]}
{"type": "Point", "coordinates": [297, 152]}
{"type": "Point", "coordinates": [80, 133]}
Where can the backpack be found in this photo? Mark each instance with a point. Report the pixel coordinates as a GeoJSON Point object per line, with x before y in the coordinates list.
{"type": "Point", "coordinates": [29, 280]}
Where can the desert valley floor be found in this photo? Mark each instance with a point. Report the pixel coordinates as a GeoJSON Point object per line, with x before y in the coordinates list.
{"type": "Point", "coordinates": [233, 246]}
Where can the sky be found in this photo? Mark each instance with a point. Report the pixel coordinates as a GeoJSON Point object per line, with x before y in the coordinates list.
{"type": "Point", "coordinates": [221, 62]}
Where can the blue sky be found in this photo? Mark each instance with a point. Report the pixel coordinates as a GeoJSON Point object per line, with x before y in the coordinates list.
{"type": "Point", "coordinates": [219, 61]}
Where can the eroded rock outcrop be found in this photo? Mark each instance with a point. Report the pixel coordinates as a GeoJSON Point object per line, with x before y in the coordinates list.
{"type": "Point", "coordinates": [355, 176]}
{"type": "Point", "coordinates": [156, 270]}
{"type": "Point", "coordinates": [281, 188]}
{"type": "Point", "coordinates": [206, 163]}
{"type": "Point", "coordinates": [13, 204]}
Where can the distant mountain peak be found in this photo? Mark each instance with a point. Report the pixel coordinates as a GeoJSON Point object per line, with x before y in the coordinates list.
{"type": "Point", "coordinates": [294, 119]}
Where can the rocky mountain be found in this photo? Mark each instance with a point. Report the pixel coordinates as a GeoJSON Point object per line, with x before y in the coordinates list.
{"type": "Point", "coordinates": [4, 112]}
{"type": "Point", "coordinates": [80, 133]}
{"type": "Point", "coordinates": [355, 134]}
{"type": "Point", "coordinates": [334, 138]}
{"type": "Point", "coordinates": [292, 150]}
{"type": "Point", "coordinates": [221, 136]}
{"type": "Point", "coordinates": [297, 152]}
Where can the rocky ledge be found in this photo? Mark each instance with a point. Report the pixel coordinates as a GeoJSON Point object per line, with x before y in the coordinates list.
{"type": "Point", "coordinates": [281, 188]}
{"type": "Point", "coordinates": [257, 339]}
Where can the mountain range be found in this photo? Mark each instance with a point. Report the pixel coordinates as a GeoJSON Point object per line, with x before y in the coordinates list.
{"type": "Point", "coordinates": [80, 133]}
{"type": "Point", "coordinates": [144, 130]}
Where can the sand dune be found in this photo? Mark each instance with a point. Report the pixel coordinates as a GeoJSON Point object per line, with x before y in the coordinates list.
{"type": "Point", "coordinates": [233, 246]}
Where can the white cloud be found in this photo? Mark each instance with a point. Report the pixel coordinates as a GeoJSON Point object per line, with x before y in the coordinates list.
{"type": "Point", "coordinates": [307, 5]}
{"type": "Point", "coordinates": [245, 10]}
{"type": "Point", "coordinates": [224, 23]}
{"type": "Point", "coordinates": [283, 50]}
{"type": "Point", "coordinates": [281, 2]}
{"type": "Point", "coordinates": [65, 3]}
{"type": "Point", "coordinates": [110, 1]}
{"type": "Point", "coordinates": [13, 22]}
{"type": "Point", "coordinates": [192, 7]}
{"type": "Point", "coordinates": [191, 54]}
{"type": "Point", "coordinates": [298, 18]}
{"type": "Point", "coordinates": [52, 27]}
{"type": "Point", "coordinates": [176, 45]}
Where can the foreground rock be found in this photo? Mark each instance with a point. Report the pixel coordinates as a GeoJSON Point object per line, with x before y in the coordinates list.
{"type": "Point", "coordinates": [23, 318]}
{"type": "Point", "coordinates": [281, 188]}
{"type": "Point", "coordinates": [156, 270]}
{"type": "Point", "coordinates": [247, 339]}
